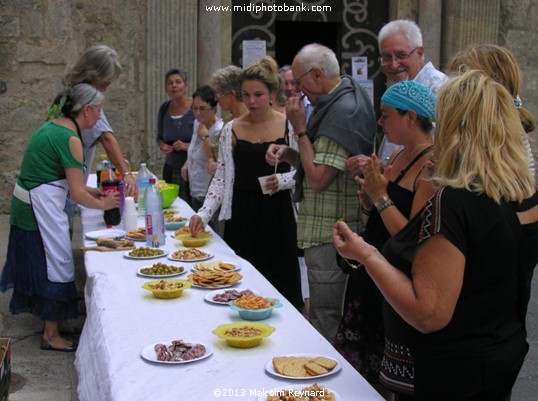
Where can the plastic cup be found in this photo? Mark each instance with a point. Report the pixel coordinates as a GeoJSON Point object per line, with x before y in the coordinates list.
{"type": "Point", "coordinates": [262, 181]}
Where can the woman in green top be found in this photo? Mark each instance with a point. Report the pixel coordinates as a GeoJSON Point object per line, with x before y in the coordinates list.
{"type": "Point", "coordinates": [39, 264]}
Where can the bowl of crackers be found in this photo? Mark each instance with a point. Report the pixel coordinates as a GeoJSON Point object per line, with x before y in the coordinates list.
{"type": "Point", "coordinates": [254, 307]}
{"type": "Point", "coordinates": [243, 334]}
{"type": "Point", "coordinates": [167, 289]}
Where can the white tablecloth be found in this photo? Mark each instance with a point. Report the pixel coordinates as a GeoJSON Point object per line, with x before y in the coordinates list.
{"type": "Point", "coordinates": [122, 319]}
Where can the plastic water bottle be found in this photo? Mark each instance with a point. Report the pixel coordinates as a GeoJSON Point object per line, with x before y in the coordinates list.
{"type": "Point", "coordinates": [142, 181]}
{"type": "Point", "coordinates": [109, 185]}
{"type": "Point", "coordinates": [155, 236]}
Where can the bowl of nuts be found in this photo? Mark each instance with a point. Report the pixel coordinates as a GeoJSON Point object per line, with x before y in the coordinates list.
{"type": "Point", "coordinates": [254, 307]}
{"type": "Point", "coordinates": [167, 289]}
{"type": "Point", "coordinates": [243, 334]}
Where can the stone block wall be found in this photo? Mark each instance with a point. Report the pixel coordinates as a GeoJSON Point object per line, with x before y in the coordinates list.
{"type": "Point", "coordinates": [38, 40]}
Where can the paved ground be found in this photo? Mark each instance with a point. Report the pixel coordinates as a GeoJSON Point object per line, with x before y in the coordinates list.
{"type": "Point", "coordinates": [50, 376]}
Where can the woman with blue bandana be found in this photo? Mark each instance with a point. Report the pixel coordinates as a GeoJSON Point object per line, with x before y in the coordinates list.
{"type": "Point", "coordinates": [389, 199]}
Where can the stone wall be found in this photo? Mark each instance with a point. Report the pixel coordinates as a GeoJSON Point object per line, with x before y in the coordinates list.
{"type": "Point", "coordinates": [38, 39]}
{"type": "Point", "coordinates": [517, 32]}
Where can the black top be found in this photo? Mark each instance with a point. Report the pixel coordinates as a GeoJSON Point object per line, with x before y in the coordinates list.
{"type": "Point", "coordinates": [262, 228]}
{"type": "Point", "coordinates": [482, 348]}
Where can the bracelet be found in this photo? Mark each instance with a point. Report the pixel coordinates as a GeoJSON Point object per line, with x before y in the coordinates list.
{"type": "Point", "coordinates": [366, 212]}
{"type": "Point", "coordinates": [128, 173]}
{"type": "Point", "coordinates": [205, 137]}
{"type": "Point", "coordinates": [370, 254]}
{"type": "Point", "coordinates": [385, 205]}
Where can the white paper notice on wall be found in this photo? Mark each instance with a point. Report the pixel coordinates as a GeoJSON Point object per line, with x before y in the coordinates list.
{"type": "Point", "coordinates": [359, 68]}
{"type": "Point", "coordinates": [252, 51]}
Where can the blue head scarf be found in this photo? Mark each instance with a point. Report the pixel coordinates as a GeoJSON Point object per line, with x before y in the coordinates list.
{"type": "Point", "coordinates": [411, 95]}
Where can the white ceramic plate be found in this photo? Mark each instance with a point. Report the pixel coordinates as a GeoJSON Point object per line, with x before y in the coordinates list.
{"type": "Point", "coordinates": [106, 233]}
{"type": "Point", "coordinates": [209, 256]}
{"type": "Point", "coordinates": [209, 296]}
{"type": "Point", "coordinates": [296, 388]}
{"type": "Point", "coordinates": [237, 266]}
{"type": "Point", "coordinates": [269, 367]}
{"type": "Point", "coordinates": [126, 254]}
{"type": "Point", "coordinates": [160, 275]}
{"type": "Point", "coordinates": [149, 354]}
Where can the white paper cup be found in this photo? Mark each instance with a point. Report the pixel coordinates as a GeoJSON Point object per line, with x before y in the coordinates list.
{"type": "Point", "coordinates": [129, 206]}
{"type": "Point", "coordinates": [262, 181]}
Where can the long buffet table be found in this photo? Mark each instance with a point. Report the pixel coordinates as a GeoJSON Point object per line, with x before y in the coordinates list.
{"type": "Point", "coordinates": [122, 319]}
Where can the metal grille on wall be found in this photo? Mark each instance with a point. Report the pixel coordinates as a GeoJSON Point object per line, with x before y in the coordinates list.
{"type": "Point", "coordinates": [358, 22]}
{"type": "Point", "coordinates": [171, 43]}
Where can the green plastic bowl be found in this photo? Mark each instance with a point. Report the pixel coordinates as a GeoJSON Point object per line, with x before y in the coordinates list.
{"type": "Point", "coordinates": [170, 194]}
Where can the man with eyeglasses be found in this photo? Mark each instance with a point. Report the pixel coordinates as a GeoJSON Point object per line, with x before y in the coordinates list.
{"type": "Point", "coordinates": [342, 124]}
{"type": "Point", "coordinates": [402, 59]}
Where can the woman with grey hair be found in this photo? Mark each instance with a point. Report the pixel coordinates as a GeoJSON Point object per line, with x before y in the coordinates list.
{"type": "Point", "coordinates": [100, 66]}
{"type": "Point", "coordinates": [39, 263]}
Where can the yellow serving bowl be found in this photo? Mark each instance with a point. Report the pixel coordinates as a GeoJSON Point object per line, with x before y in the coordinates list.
{"type": "Point", "coordinates": [188, 240]}
{"type": "Point", "coordinates": [244, 342]}
{"type": "Point", "coordinates": [168, 293]}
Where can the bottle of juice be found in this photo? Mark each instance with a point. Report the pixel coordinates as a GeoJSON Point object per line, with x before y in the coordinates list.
{"type": "Point", "coordinates": [99, 168]}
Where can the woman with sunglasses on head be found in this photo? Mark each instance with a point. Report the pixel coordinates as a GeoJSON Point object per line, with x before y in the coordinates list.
{"type": "Point", "coordinates": [260, 228]}
{"type": "Point", "coordinates": [175, 122]}
{"type": "Point", "coordinates": [39, 263]}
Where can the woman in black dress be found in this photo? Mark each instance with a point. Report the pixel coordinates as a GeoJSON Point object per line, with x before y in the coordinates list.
{"type": "Point", "coordinates": [260, 228]}
{"type": "Point", "coordinates": [407, 110]}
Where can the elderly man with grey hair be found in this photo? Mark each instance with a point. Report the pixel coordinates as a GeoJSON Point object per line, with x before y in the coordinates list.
{"type": "Point", "coordinates": [402, 59]}
{"type": "Point", "coordinates": [342, 124]}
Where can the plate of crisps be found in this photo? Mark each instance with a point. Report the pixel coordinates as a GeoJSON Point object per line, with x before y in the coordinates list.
{"type": "Point", "coordinates": [216, 266]}
{"type": "Point", "coordinates": [302, 366]}
{"type": "Point", "coordinates": [314, 392]}
{"type": "Point", "coordinates": [138, 234]}
{"type": "Point", "coordinates": [190, 255]}
{"type": "Point", "coordinates": [208, 280]}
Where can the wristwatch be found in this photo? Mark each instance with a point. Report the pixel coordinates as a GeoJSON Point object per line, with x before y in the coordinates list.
{"type": "Point", "coordinates": [299, 135]}
{"type": "Point", "coordinates": [381, 201]}
{"type": "Point", "coordinates": [205, 137]}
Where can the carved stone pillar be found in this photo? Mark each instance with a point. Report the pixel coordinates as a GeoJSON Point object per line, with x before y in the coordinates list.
{"type": "Point", "coordinates": [430, 21]}
{"type": "Point", "coordinates": [214, 33]}
{"type": "Point", "coordinates": [171, 43]}
{"type": "Point", "coordinates": [467, 22]}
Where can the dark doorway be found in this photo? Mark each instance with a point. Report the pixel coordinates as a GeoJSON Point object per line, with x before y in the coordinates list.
{"type": "Point", "coordinates": [291, 36]}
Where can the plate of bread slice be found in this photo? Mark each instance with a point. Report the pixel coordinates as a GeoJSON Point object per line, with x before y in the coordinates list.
{"type": "Point", "coordinates": [302, 366]}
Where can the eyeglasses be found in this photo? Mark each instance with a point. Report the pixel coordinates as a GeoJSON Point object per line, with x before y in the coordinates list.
{"type": "Point", "coordinates": [201, 109]}
{"type": "Point", "coordinates": [389, 58]}
{"type": "Point", "coordinates": [219, 95]}
{"type": "Point", "coordinates": [297, 81]}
